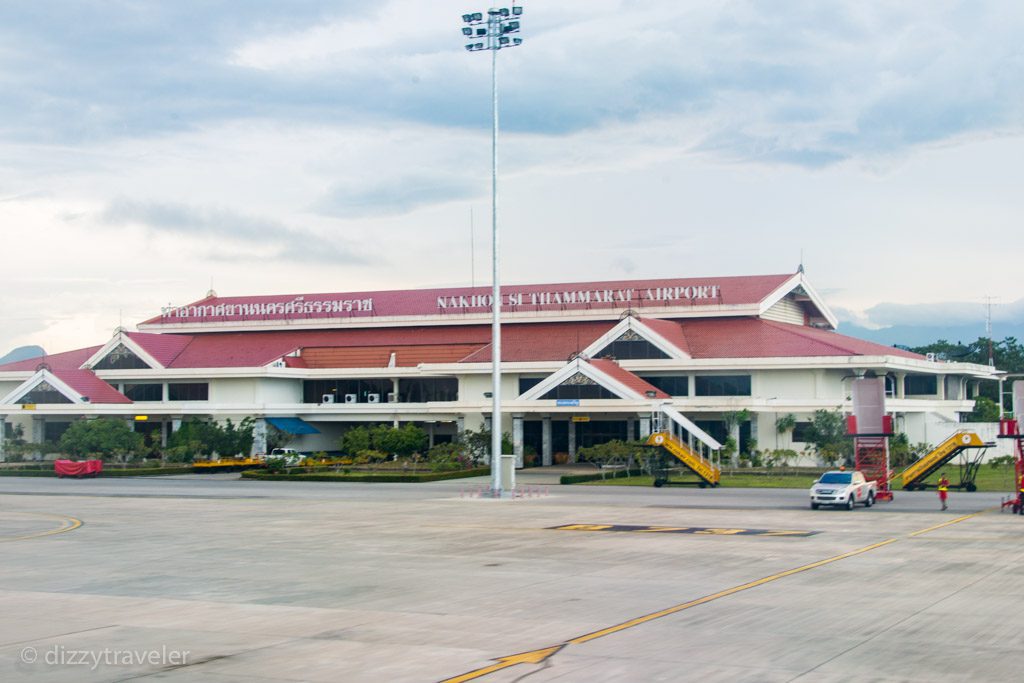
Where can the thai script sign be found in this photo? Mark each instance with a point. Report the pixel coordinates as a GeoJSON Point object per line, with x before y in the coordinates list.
{"type": "Point", "coordinates": [297, 306]}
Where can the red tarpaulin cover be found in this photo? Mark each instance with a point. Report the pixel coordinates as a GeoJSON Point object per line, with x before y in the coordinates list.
{"type": "Point", "coordinates": [70, 468]}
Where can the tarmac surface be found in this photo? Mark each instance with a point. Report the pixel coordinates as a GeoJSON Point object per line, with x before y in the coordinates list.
{"type": "Point", "coordinates": [212, 578]}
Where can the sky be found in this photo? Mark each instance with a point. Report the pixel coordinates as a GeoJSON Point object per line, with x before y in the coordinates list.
{"type": "Point", "coordinates": [152, 150]}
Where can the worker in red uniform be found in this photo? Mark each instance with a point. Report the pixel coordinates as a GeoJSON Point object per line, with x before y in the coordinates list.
{"type": "Point", "coordinates": [943, 489]}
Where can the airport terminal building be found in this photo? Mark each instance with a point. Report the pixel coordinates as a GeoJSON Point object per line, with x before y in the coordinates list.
{"type": "Point", "coordinates": [582, 363]}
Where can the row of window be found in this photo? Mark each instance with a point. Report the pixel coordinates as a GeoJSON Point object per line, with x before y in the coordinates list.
{"type": "Point", "coordinates": [423, 390]}
{"type": "Point", "coordinates": [673, 385]}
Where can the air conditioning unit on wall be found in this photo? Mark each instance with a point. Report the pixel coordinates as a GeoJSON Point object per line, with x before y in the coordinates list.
{"type": "Point", "coordinates": [350, 398]}
{"type": "Point", "coordinates": [327, 398]}
{"type": "Point", "coordinates": [392, 397]}
{"type": "Point", "coordinates": [373, 398]}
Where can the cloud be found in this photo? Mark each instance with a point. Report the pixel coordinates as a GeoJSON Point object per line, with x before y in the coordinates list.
{"type": "Point", "coordinates": [939, 314]}
{"type": "Point", "coordinates": [804, 83]}
{"type": "Point", "coordinates": [396, 195]}
{"type": "Point", "coordinates": [205, 222]}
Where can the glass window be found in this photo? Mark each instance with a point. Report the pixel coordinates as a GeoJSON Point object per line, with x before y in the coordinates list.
{"type": "Point", "coordinates": [144, 392]}
{"type": "Point", "coordinates": [527, 383]}
{"type": "Point", "coordinates": [44, 392]}
{"type": "Point", "coordinates": [196, 391]}
{"type": "Point", "coordinates": [631, 346]}
{"type": "Point", "coordinates": [314, 390]}
{"type": "Point", "coordinates": [836, 478]}
{"type": "Point", "coordinates": [579, 386]}
{"type": "Point", "coordinates": [673, 385]}
{"type": "Point", "coordinates": [121, 358]}
{"type": "Point", "coordinates": [722, 385]}
{"type": "Point", "coordinates": [428, 389]}
{"type": "Point", "coordinates": [800, 432]}
{"type": "Point", "coordinates": [920, 385]}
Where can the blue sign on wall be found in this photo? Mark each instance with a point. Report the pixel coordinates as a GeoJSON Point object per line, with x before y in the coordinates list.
{"type": "Point", "coordinates": [567, 402]}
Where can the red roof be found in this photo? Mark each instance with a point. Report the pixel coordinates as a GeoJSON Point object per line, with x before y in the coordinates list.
{"type": "Point", "coordinates": [65, 360]}
{"type": "Point", "coordinates": [541, 341]}
{"type": "Point", "coordinates": [701, 338]}
{"type": "Point", "coordinates": [670, 331]}
{"type": "Point", "coordinates": [88, 384]}
{"type": "Point", "coordinates": [163, 347]}
{"type": "Point", "coordinates": [736, 290]}
{"type": "Point", "coordinates": [758, 338]}
{"type": "Point", "coordinates": [623, 376]}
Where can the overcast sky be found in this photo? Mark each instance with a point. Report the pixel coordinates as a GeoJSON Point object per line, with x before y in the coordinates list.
{"type": "Point", "coordinates": [148, 149]}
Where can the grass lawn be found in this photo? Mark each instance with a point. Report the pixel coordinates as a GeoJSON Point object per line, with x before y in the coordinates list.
{"type": "Point", "coordinates": [990, 479]}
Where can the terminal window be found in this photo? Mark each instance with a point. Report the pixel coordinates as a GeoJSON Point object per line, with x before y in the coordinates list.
{"type": "Point", "coordinates": [144, 392]}
{"type": "Point", "coordinates": [197, 391]}
{"type": "Point", "coordinates": [722, 385]}
{"type": "Point", "coordinates": [920, 385]}
{"type": "Point", "coordinates": [673, 385]}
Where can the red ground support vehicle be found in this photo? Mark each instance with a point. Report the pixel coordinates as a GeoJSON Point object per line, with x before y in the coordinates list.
{"type": "Point", "coordinates": [70, 468]}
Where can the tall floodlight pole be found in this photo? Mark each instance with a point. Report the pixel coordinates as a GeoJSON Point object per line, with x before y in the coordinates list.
{"type": "Point", "coordinates": [492, 33]}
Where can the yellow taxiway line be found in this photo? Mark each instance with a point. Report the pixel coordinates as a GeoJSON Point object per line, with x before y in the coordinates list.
{"type": "Point", "coordinates": [539, 655]}
{"type": "Point", "coordinates": [67, 524]}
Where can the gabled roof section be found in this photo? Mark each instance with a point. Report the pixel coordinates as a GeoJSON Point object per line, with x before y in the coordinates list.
{"type": "Point", "coordinates": [798, 286]}
{"type": "Point", "coordinates": [78, 386]}
{"type": "Point", "coordinates": [540, 341]}
{"type": "Point", "coordinates": [67, 359]}
{"type": "Point", "coordinates": [122, 343]}
{"type": "Point", "coordinates": [164, 348]}
{"type": "Point", "coordinates": [606, 373]}
{"type": "Point", "coordinates": [665, 335]}
{"type": "Point", "coordinates": [757, 338]}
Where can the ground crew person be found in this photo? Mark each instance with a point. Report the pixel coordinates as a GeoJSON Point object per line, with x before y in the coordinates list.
{"type": "Point", "coordinates": [1020, 495]}
{"type": "Point", "coordinates": [943, 489]}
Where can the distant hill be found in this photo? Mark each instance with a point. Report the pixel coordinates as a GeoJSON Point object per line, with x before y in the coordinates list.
{"type": "Point", "coordinates": [919, 335]}
{"type": "Point", "coordinates": [23, 353]}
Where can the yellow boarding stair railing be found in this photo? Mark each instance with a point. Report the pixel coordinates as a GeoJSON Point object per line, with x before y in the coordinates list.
{"type": "Point", "coordinates": [702, 467]}
{"type": "Point", "coordinates": [943, 453]}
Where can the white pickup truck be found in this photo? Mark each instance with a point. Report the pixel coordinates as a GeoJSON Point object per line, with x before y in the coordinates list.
{"type": "Point", "coordinates": [840, 488]}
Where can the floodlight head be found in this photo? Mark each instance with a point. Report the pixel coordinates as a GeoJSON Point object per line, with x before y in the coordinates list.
{"type": "Point", "coordinates": [503, 40]}
{"type": "Point", "coordinates": [478, 46]}
{"type": "Point", "coordinates": [469, 47]}
{"type": "Point", "coordinates": [512, 26]}
{"type": "Point", "coordinates": [481, 32]}
{"type": "Point", "coordinates": [478, 16]}
{"type": "Point", "coordinates": [467, 31]}
{"type": "Point", "coordinates": [504, 11]}
{"type": "Point", "coordinates": [467, 18]}
{"type": "Point", "coordinates": [517, 41]}
{"type": "Point", "coordinates": [517, 10]}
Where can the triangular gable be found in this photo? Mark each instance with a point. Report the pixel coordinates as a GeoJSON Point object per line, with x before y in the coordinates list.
{"type": "Point", "coordinates": [119, 347]}
{"type": "Point", "coordinates": [579, 371]}
{"type": "Point", "coordinates": [802, 291]}
{"type": "Point", "coordinates": [45, 381]}
{"type": "Point", "coordinates": [630, 329]}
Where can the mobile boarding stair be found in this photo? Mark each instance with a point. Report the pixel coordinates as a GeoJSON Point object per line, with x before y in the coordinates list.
{"type": "Point", "coordinates": [961, 442]}
{"type": "Point", "coordinates": [669, 427]}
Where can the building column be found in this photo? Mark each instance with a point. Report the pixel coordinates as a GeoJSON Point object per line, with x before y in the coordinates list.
{"type": "Point", "coordinates": [900, 385]}
{"type": "Point", "coordinates": [630, 429]}
{"type": "Point", "coordinates": [259, 435]}
{"type": "Point", "coordinates": [940, 386]}
{"type": "Point", "coordinates": [38, 430]}
{"type": "Point", "coordinates": [460, 425]}
{"type": "Point", "coordinates": [517, 439]}
{"type": "Point", "coordinates": [572, 441]}
{"type": "Point", "coordinates": [430, 434]}
{"type": "Point", "coordinates": [545, 438]}
{"type": "Point", "coordinates": [3, 437]}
